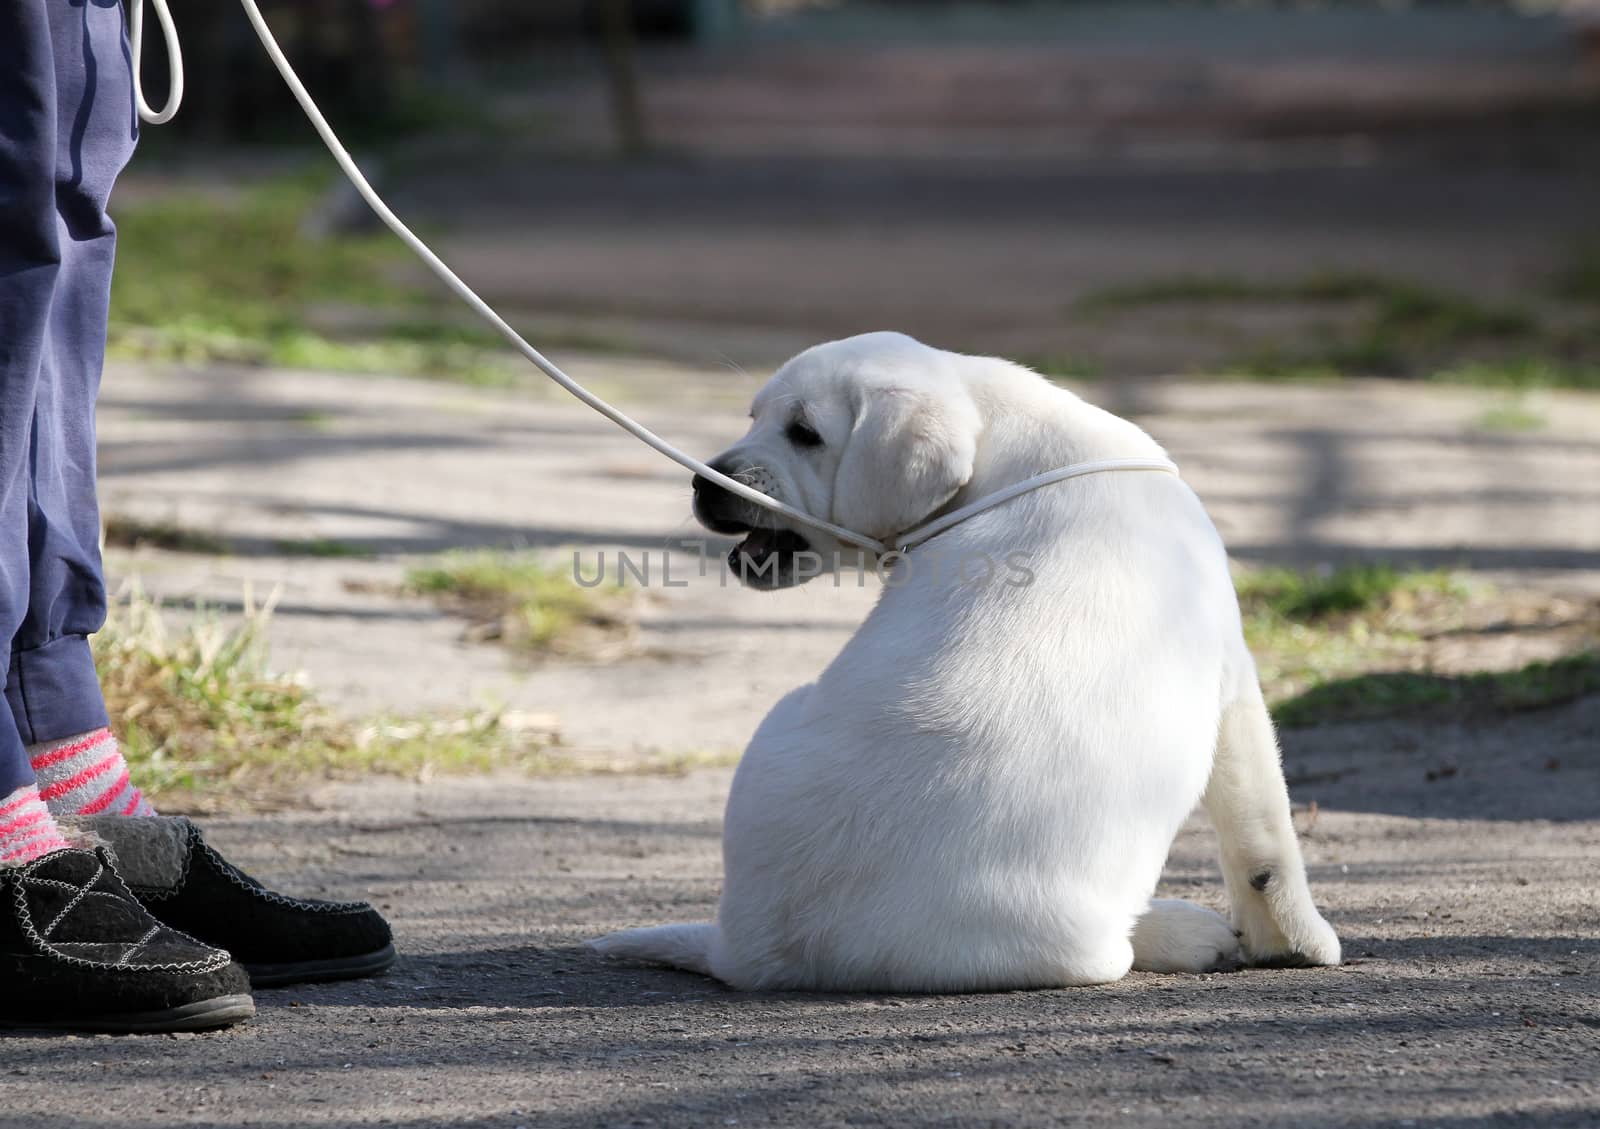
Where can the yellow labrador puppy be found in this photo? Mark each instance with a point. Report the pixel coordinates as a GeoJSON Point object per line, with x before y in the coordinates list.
{"type": "Point", "coordinates": [980, 791]}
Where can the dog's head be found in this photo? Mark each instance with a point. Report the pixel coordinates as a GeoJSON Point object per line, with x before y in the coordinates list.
{"type": "Point", "coordinates": [874, 433]}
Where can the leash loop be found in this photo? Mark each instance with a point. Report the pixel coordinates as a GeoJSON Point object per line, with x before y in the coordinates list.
{"type": "Point", "coordinates": [169, 32]}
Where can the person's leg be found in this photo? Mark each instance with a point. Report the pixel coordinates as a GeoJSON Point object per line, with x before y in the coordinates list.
{"type": "Point", "coordinates": [27, 828]}
{"type": "Point", "coordinates": [77, 118]}
{"type": "Point", "coordinates": [86, 774]}
{"type": "Point", "coordinates": [77, 950]}
{"type": "Point", "coordinates": [51, 685]}
{"type": "Point", "coordinates": [29, 264]}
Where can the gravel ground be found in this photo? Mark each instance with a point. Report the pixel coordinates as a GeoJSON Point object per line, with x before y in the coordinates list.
{"type": "Point", "coordinates": [1466, 904]}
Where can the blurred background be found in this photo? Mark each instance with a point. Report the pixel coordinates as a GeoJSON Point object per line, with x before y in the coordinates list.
{"type": "Point", "coordinates": [1342, 258]}
{"type": "Point", "coordinates": [1101, 189]}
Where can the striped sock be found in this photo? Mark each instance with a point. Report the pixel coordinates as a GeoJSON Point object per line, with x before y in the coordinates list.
{"type": "Point", "coordinates": [86, 775]}
{"type": "Point", "coordinates": [27, 829]}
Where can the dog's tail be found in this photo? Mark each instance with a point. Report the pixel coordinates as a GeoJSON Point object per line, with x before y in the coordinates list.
{"type": "Point", "coordinates": [681, 946]}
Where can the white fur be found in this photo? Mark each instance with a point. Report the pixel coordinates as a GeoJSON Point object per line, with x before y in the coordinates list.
{"type": "Point", "coordinates": [980, 791]}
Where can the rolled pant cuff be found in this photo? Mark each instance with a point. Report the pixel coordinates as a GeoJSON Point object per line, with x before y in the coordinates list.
{"type": "Point", "coordinates": [54, 692]}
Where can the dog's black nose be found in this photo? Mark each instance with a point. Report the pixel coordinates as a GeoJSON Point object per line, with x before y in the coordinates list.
{"type": "Point", "coordinates": [703, 485]}
{"type": "Point", "coordinates": [717, 508]}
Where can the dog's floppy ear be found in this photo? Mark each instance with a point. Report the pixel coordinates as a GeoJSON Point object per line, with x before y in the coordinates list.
{"type": "Point", "coordinates": [908, 454]}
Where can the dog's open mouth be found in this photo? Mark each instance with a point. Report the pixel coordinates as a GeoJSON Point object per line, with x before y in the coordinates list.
{"type": "Point", "coordinates": [766, 557]}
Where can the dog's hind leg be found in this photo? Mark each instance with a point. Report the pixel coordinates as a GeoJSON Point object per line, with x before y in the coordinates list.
{"type": "Point", "coordinates": [1178, 936]}
{"type": "Point", "coordinates": [690, 947]}
{"type": "Point", "coordinates": [1266, 878]}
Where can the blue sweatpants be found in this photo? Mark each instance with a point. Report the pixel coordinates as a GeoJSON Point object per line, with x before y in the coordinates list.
{"type": "Point", "coordinates": [67, 128]}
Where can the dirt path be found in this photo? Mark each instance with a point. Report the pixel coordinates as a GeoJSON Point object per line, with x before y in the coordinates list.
{"type": "Point", "coordinates": [1466, 906]}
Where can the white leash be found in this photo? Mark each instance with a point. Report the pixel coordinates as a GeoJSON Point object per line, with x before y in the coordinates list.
{"type": "Point", "coordinates": [955, 517]}
{"type": "Point", "coordinates": [484, 310]}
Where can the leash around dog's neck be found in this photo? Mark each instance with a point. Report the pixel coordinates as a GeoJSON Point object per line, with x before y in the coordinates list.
{"type": "Point", "coordinates": [907, 541]}
{"type": "Point", "coordinates": [437, 265]}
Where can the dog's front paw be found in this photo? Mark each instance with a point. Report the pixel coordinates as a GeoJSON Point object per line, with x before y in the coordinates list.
{"type": "Point", "coordinates": [1308, 941]}
{"type": "Point", "coordinates": [1178, 936]}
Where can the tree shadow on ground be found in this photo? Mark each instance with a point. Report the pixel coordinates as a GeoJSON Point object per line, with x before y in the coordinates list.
{"type": "Point", "coordinates": [1537, 764]}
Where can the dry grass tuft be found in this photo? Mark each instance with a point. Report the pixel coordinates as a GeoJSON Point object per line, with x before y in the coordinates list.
{"type": "Point", "coordinates": [201, 715]}
{"type": "Point", "coordinates": [521, 600]}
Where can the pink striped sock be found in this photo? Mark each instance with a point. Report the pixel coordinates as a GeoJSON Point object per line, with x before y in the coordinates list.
{"type": "Point", "coordinates": [86, 775]}
{"type": "Point", "coordinates": [27, 829]}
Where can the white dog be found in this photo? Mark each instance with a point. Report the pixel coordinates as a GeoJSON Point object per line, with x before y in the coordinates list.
{"type": "Point", "coordinates": [980, 792]}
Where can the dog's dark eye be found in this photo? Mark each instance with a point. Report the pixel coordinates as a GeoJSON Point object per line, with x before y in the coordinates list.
{"type": "Point", "coordinates": [802, 435]}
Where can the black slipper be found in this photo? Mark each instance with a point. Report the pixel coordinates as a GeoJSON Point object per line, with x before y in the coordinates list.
{"type": "Point", "coordinates": [79, 953]}
{"type": "Point", "coordinates": [278, 939]}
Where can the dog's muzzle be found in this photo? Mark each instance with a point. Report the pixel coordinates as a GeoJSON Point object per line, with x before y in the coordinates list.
{"type": "Point", "coordinates": [765, 558]}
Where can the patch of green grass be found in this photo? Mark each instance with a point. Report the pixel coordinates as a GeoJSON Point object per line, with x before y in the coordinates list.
{"type": "Point", "coordinates": [1384, 694]}
{"type": "Point", "coordinates": [1523, 373]}
{"type": "Point", "coordinates": [1399, 305]}
{"type": "Point", "coordinates": [1509, 415]}
{"type": "Point", "coordinates": [522, 600]}
{"type": "Point", "coordinates": [198, 703]}
{"type": "Point", "coordinates": [1399, 328]}
{"type": "Point", "coordinates": [1308, 628]}
{"type": "Point", "coordinates": [439, 359]}
{"type": "Point", "coordinates": [1297, 596]}
{"type": "Point", "coordinates": [1269, 363]}
{"type": "Point", "coordinates": [1345, 644]}
{"type": "Point", "coordinates": [135, 533]}
{"type": "Point", "coordinates": [201, 278]}
{"type": "Point", "coordinates": [1435, 317]}
{"type": "Point", "coordinates": [1543, 684]}
{"type": "Point", "coordinates": [241, 265]}
{"type": "Point", "coordinates": [200, 715]}
{"type": "Point", "coordinates": [321, 547]}
{"type": "Point", "coordinates": [1404, 329]}
{"type": "Point", "coordinates": [1199, 289]}
{"type": "Point", "coordinates": [1187, 288]}
{"type": "Point", "coordinates": [1579, 280]}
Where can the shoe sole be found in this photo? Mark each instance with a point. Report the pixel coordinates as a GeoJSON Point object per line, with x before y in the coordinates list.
{"type": "Point", "coordinates": [313, 971]}
{"type": "Point", "coordinates": [202, 1015]}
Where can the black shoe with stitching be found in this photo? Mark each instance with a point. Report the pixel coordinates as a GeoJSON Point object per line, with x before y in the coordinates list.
{"type": "Point", "coordinates": [79, 953]}
{"type": "Point", "coordinates": [279, 940]}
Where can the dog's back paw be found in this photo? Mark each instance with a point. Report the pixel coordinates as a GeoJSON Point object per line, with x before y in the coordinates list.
{"type": "Point", "coordinates": [1178, 936]}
